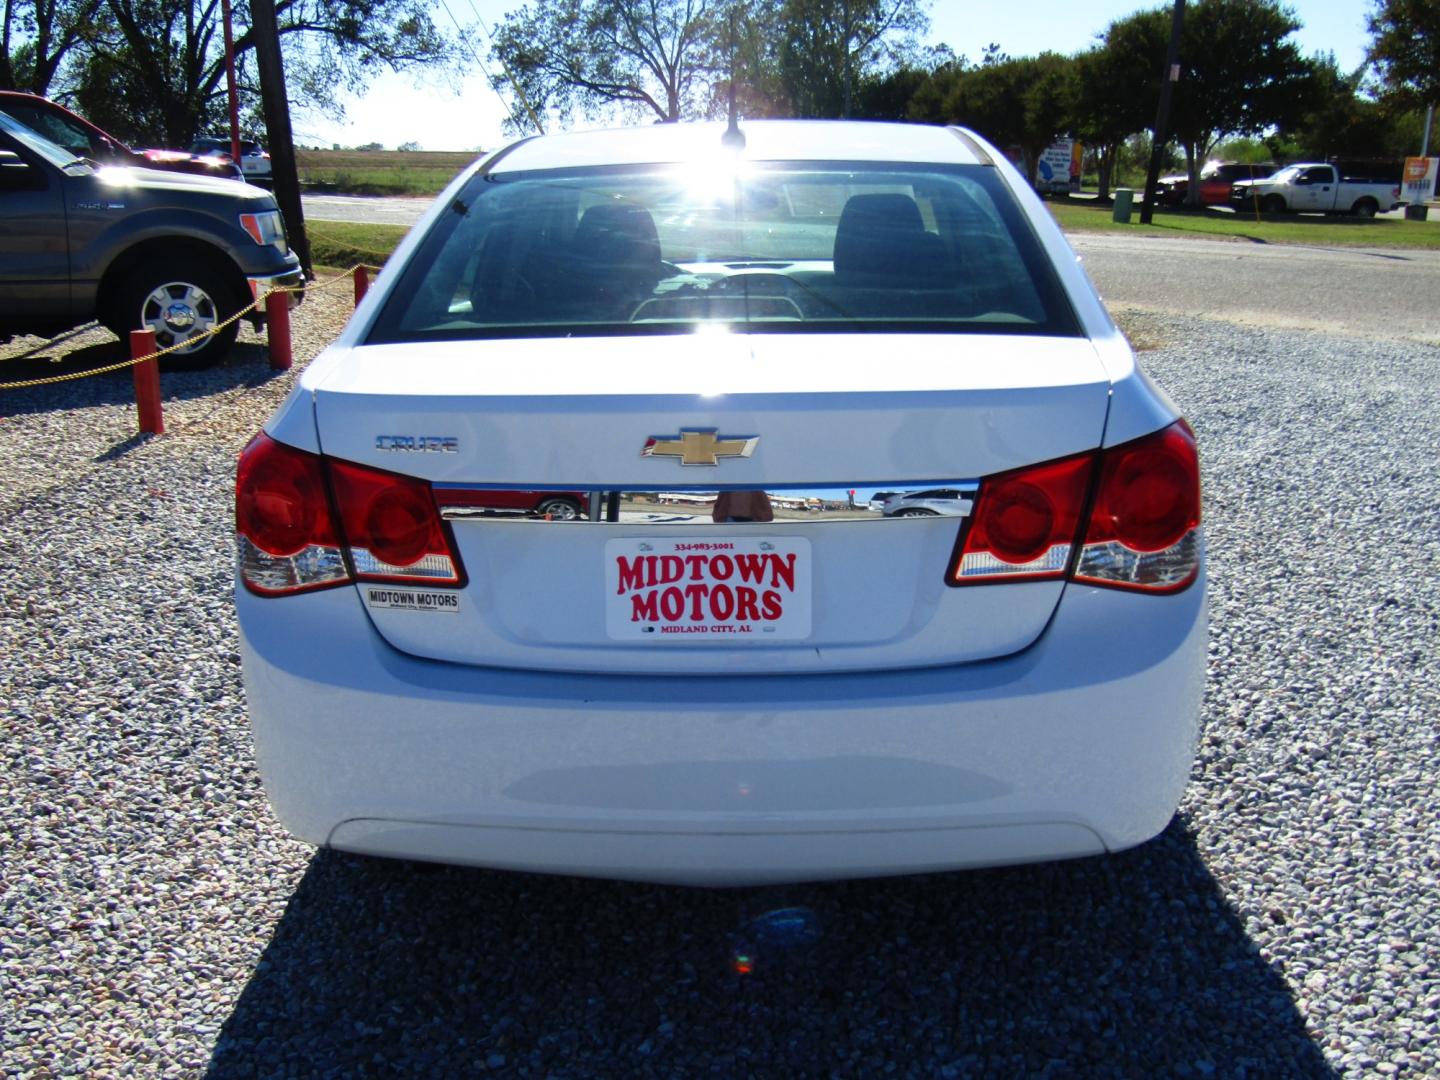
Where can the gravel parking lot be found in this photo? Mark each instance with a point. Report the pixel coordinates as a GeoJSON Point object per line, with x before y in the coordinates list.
{"type": "Point", "coordinates": [155, 920]}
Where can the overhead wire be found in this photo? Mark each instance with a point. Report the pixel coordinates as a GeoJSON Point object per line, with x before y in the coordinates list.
{"type": "Point", "coordinates": [520, 92]}
{"type": "Point", "coordinates": [519, 89]}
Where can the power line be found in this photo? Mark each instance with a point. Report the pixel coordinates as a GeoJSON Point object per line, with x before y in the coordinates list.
{"type": "Point", "coordinates": [519, 90]}
{"type": "Point", "coordinates": [481, 64]}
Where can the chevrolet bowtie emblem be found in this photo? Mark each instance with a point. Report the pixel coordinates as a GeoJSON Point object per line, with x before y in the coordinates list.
{"type": "Point", "coordinates": [700, 446]}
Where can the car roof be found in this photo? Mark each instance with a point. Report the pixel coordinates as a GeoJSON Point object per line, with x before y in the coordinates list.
{"type": "Point", "coordinates": [765, 140]}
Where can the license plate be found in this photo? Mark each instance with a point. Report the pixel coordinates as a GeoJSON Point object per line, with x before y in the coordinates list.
{"type": "Point", "coordinates": [732, 591]}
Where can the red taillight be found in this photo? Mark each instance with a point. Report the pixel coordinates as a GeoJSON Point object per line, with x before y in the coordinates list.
{"type": "Point", "coordinates": [290, 539]}
{"type": "Point", "coordinates": [1149, 494]}
{"type": "Point", "coordinates": [1144, 530]}
{"type": "Point", "coordinates": [392, 526]}
{"type": "Point", "coordinates": [284, 529]}
{"type": "Point", "coordinates": [1025, 523]}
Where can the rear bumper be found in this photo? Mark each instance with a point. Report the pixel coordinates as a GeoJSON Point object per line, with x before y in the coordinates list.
{"type": "Point", "coordinates": [1080, 744]}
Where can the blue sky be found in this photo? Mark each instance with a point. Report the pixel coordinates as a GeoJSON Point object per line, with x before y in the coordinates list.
{"type": "Point", "coordinates": [467, 114]}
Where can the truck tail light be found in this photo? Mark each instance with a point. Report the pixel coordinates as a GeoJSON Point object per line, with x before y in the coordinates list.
{"type": "Point", "coordinates": [1142, 531]}
{"type": "Point", "coordinates": [1144, 528]}
{"type": "Point", "coordinates": [293, 537]}
{"type": "Point", "coordinates": [1025, 523]}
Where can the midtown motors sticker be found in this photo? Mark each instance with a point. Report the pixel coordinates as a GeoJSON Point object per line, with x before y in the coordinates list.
{"type": "Point", "coordinates": [704, 591]}
{"type": "Point", "coordinates": [406, 600]}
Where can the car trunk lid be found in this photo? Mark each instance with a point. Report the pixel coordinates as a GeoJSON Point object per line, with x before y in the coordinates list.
{"type": "Point", "coordinates": [613, 423]}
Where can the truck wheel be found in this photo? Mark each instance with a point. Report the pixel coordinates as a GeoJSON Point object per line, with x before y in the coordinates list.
{"type": "Point", "coordinates": [1273, 204]}
{"type": "Point", "coordinates": [1366, 208]}
{"type": "Point", "coordinates": [182, 300]}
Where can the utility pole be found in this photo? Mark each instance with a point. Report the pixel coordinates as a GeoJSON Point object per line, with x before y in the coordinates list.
{"type": "Point", "coordinates": [1161, 133]}
{"type": "Point", "coordinates": [234, 98]}
{"type": "Point", "coordinates": [276, 106]}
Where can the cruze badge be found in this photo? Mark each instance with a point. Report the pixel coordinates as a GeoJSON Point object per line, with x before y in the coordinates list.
{"type": "Point", "coordinates": [419, 444]}
{"type": "Point", "coordinates": [700, 446]}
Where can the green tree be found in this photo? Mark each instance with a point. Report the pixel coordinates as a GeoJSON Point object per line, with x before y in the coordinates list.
{"type": "Point", "coordinates": [154, 71]}
{"type": "Point", "coordinates": [1343, 121]}
{"type": "Point", "coordinates": [827, 47]}
{"type": "Point", "coordinates": [1240, 72]}
{"type": "Point", "coordinates": [593, 56]}
{"type": "Point", "coordinates": [887, 96]}
{"type": "Point", "coordinates": [671, 59]}
{"type": "Point", "coordinates": [1023, 102]}
{"type": "Point", "coordinates": [1405, 49]}
{"type": "Point", "coordinates": [38, 36]}
{"type": "Point", "coordinates": [1112, 97]}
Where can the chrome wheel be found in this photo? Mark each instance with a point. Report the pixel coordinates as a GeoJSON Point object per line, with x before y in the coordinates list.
{"type": "Point", "coordinates": [181, 314]}
{"type": "Point", "coordinates": [558, 510]}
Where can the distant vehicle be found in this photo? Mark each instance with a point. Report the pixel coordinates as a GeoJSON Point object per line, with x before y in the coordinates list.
{"type": "Point", "coordinates": [1216, 180]}
{"type": "Point", "coordinates": [1308, 187]}
{"type": "Point", "coordinates": [83, 139]}
{"type": "Point", "coordinates": [932, 502]}
{"type": "Point", "coordinates": [551, 505]}
{"type": "Point", "coordinates": [254, 161]}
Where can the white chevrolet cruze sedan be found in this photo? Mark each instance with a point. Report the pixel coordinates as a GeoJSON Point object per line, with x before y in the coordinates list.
{"type": "Point", "coordinates": [733, 668]}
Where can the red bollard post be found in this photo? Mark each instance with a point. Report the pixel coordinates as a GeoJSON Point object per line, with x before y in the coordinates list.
{"type": "Point", "coordinates": [147, 381]}
{"type": "Point", "coordinates": [277, 329]}
{"type": "Point", "coordinates": [362, 283]}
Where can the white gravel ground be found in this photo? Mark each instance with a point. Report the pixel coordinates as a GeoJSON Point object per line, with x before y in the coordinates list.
{"type": "Point", "coordinates": [154, 920]}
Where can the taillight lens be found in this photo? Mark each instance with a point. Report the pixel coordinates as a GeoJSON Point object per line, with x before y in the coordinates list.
{"type": "Point", "coordinates": [1144, 529]}
{"type": "Point", "coordinates": [1025, 523]}
{"type": "Point", "coordinates": [392, 526]}
{"type": "Point", "coordinates": [291, 540]}
{"type": "Point", "coordinates": [284, 529]}
{"type": "Point", "coordinates": [1142, 532]}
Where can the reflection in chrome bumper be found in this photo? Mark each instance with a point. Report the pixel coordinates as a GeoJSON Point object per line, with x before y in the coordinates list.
{"type": "Point", "coordinates": [706, 506]}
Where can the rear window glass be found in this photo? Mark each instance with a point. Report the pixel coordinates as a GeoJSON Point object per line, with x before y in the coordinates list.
{"type": "Point", "coordinates": [812, 247]}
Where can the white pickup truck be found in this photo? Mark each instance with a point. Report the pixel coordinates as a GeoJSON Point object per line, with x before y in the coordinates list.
{"type": "Point", "coordinates": [1312, 188]}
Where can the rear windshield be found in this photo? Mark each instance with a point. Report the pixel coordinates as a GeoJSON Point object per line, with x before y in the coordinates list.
{"type": "Point", "coordinates": [811, 247]}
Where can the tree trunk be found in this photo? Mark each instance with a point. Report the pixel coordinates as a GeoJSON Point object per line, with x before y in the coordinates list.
{"type": "Point", "coordinates": [1105, 164]}
{"type": "Point", "coordinates": [1192, 169]}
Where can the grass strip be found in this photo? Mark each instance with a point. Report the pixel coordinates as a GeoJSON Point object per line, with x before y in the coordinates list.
{"type": "Point", "coordinates": [380, 172]}
{"type": "Point", "coordinates": [1305, 230]}
{"type": "Point", "coordinates": [345, 243]}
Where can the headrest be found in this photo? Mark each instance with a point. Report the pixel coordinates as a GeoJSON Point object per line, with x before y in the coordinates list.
{"type": "Point", "coordinates": [618, 236]}
{"type": "Point", "coordinates": [879, 235]}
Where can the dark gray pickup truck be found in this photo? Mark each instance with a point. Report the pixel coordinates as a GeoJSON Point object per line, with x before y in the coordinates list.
{"type": "Point", "coordinates": [133, 248]}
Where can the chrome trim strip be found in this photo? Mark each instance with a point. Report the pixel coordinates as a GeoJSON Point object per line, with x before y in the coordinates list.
{"type": "Point", "coordinates": [787, 504]}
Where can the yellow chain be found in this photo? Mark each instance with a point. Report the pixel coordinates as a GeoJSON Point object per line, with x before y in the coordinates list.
{"type": "Point", "coordinates": [172, 348]}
